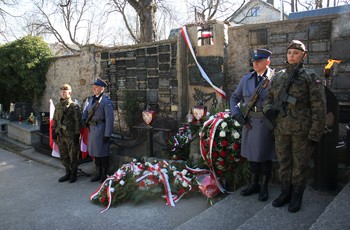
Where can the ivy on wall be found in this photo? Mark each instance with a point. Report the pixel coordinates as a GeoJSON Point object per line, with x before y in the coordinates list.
{"type": "Point", "coordinates": [23, 66]}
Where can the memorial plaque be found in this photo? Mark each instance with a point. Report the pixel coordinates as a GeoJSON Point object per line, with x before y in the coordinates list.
{"type": "Point", "coordinates": [152, 50]}
{"type": "Point", "coordinates": [152, 96]}
{"type": "Point", "coordinates": [140, 52]}
{"type": "Point", "coordinates": [130, 54]}
{"type": "Point", "coordinates": [164, 67]}
{"type": "Point", "coordinates": [152, 61]}
{"type": "Point", "coordinates": [320, 30]}
{"type": "Point", "coordinates": [163, 83]}
{"type": "Point", "coordinates": [173, 83]}
{"type": "Point", "coordinates": [258, 37]}
{"type": "Point", "coordinates": [142, 85]}
{"type": "Point", "coordinates": [130, 72]}
{"type": "Point", "coordinates": [141, 74]}
{"type": "Point", "coordinates": [44, 119]}
{"type": "Point", "coordinates": [121, 83]}
{"type": "Point", "coordinates": [163, 48]}
{"type": "Point", "coordinates": [120, 54]}
{"type": "Point", "coordinates": [104, 64]}
{"type": "Point", "coordinates": [121, 73]}
{"type": "Point", "coordinates": [141, 95]}
{"type": "Point", "coordinates": [141, 61]}
{"type": "Point", "coordinates": [130, 63]}
{"type": "Point", "coordinates": [153, 83]}
{"type": "Point", "coordinates": [130, 83]}
{"type": "Point", "coordinates": [152, 72]}
{"type": "Point", "coordinates": [341, 50]}
{"type": "Point", "coordinates": [165, 75]}
{"type": "Point", "coordinates": [121, 63]}
{"type": "Point", "coordinates": [105, 55]}
{"type": "Point", "coordinates": [164, 57]}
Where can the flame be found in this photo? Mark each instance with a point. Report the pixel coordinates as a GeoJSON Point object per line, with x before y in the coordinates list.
{"type": "Point", "coordinates": [331, 62]}
{"type": "Point", "coordinates": [327, 68]}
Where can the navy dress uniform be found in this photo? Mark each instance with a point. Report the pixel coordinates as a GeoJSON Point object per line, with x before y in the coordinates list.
{"type": "Point", "coordinates": [257, 139]}
{"type": "Point", "coordinates": [98, 116]}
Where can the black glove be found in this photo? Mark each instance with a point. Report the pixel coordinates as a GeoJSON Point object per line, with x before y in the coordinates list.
{"type": "Point", "coordinates": [240, 119]}
{"type": "Point", "coordinates": [270, 114]}
{"type": "Point", "coordinates": [106, 139]}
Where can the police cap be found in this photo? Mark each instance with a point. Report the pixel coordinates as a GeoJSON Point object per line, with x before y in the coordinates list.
{"type": "Point", "coordinates": [100, 82]}
{"type": "Point", "coordinates": [258, 54]}
{"type": "Point", "coordinates": [298, 45]}
{"type": "Point", "coordinates": [66, 87]}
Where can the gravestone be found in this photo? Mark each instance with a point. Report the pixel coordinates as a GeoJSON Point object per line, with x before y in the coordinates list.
{"type": "Point", "coordinates": [21, 112]}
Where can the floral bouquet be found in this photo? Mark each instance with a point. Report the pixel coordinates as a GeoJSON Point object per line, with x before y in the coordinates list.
{"type": "Point", "coordinates": [137, 181]}
{"type": "Point", "coordinates": [220, 146]}
{"type": "Point", "coordinates": [180, 143]}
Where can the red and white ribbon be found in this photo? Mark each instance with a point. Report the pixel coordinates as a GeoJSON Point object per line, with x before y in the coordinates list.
{"type": "Point", "coordinates": [204, 75]}
{"type": "Point", "coordinates": [212, 124]}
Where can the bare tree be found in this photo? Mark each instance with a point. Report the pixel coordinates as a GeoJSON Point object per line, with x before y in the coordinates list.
{"type": "Point", "coordinates": [4, 13]}
{"type": "Point", "coordinates": [73, 23]}
{"type": "Point", "coordinates": [145, 28]}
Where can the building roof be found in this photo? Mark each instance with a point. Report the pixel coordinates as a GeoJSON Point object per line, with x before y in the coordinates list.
{"type": "Point", "coordinates": [250, 4]}
{"type": "Point", "coordinates": [320, 12]}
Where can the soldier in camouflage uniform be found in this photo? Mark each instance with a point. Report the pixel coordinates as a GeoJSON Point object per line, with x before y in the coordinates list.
{"type": "Point", "coordinates": [66, 132]}
{"type": "Point", "coordinates": [297, 133]}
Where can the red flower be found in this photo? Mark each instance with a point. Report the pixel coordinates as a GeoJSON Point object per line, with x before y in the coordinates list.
{"type": "Point", "coordinates": [222, 163]}
{"type": "Point", "coordinates": [223, 153]}
{"type": "Point", "coordinates": [220, 172]}
{"type": "Point", "coordinates": [215, 155]}
{"type": "Point", "coordinates": [224, 143]}
{"type": "Point", "coordinates": [214, 144]}
{"type": "Point", "coordinates": [103, 199]}
{"type": "Point", "coordinates": [232, 158]}
{"type": "Point", "coordinates": [235, 146]}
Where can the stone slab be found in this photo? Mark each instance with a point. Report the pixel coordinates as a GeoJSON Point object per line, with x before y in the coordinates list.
{"type": "Point", "coordinates": [23, 132]}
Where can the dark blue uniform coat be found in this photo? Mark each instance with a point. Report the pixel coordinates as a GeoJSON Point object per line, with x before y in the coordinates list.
{"type": "Point", "coordinates": [101, 126]}
{"type": "Point", "coordinates": [258, 142]}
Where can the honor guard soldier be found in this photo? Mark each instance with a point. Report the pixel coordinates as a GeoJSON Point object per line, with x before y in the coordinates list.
{"type": "Point", "coordinates": [66, 132]}
{"type": "Point", "coordinates": [296, 105]}
{"type": "Point", "coordinates": [257, 138]}
{"type": "Point", "coordinates": [99, 118]}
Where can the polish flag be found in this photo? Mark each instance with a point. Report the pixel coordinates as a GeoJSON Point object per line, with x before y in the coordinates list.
{"type": "Point", "coordinates": [53, 145]}
{"type": "Point", "coordinates": [84, 132]}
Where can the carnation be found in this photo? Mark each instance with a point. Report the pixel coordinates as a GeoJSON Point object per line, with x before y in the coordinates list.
{"type": "Point", "coordinates": [223, 125]}
{"type": "Point", "coordinates": [222, 134]}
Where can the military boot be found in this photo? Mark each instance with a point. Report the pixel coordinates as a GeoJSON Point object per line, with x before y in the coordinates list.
{"type": "Point", "coordinates": [253, 187]}
{"type": "Point", "coordinates": [73, 176]}
{"type": "Point", "coordinates": [264, 192]}
{"type": "Point", "coordinates": [65, 177]}
{"type": "Point", "coordinates": [285, 196]}
{"type": "Point", "coordinates": [104, 164]}
{"type": "Point", "coordinates": [297, 197]}
{"type": "Point", "coordinates": [98, 170]}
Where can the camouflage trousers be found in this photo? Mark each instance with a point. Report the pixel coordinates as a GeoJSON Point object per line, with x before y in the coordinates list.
{"type": "Point", "coordinates": [69, 152]}
{"type": "Point", "coordinates": [294, 154]}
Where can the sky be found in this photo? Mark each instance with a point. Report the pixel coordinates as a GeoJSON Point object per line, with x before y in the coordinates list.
{"type": "Point", "coordinates": [181, 6]}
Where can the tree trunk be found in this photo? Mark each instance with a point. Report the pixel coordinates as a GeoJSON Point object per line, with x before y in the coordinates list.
{"type": "Point", "coordinates": [147, 23]}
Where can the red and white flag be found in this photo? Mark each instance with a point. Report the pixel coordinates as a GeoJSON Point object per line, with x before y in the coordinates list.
{"type": "Point", "coordinates": [84, 132]}
{"type": "Point", "coordinates": [53, 145]}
